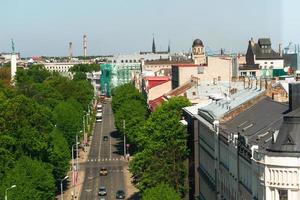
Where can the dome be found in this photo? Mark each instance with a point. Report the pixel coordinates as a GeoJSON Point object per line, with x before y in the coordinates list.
{"type": "Point", "coordinates": [197, 42]}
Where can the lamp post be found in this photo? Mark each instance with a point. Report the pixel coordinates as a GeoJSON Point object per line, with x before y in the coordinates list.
{"type": "Point", "coordinates": [124, 139]}
{"type": "Point", "coordinates": [61, 187]}
{"type": "Point", "coordinates": [11, 187]}
{"type": "Point", "coordinates": [73, 172]}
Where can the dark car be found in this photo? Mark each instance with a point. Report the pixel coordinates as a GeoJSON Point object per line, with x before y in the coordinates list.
{"type": "Point", "coordinates": [105, 138]}
{"type": "Point", "coordinates": [103, 171]}
{"type": "Point", "coordinates": [120, 194]}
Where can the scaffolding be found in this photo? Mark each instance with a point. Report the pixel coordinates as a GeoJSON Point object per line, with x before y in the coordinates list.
{"type": "Point", "coordinates": [115, 74]}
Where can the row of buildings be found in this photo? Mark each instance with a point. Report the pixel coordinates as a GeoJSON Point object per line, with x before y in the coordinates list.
{"type": "Point", "coordinates": [243, 125]}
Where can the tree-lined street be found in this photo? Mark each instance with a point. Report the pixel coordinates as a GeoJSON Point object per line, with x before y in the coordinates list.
{"type": "Point", "coordinates": [108, 154]}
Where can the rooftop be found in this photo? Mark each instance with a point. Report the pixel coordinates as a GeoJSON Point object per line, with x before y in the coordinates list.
{"type": "Point", "coordinates": [218, 109]}
{"type": "Point", "coordinates": [258, 123]}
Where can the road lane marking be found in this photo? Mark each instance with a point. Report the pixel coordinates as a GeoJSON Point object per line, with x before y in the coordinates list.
{"type": "Point", "coordinates": [101, 132]}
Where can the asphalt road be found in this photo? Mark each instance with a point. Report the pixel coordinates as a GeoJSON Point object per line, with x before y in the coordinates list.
{"type": "Point", "coordinates": [107, 154]}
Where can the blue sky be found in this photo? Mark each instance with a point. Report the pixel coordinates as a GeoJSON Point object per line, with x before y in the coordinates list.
{"type": "Point", "coordinates": [45, 27]}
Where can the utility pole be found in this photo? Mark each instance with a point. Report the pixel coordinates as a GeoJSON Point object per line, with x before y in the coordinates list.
{"type": "Point", "coordinates": [124, 139]}
{"type": "Point", "coordinates": [77, 153]}
{"type": "Point", "coordinates": [73, 172]}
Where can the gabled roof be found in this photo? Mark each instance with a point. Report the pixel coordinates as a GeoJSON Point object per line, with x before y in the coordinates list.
{"type": "Point", "coordinates": [264, 53]}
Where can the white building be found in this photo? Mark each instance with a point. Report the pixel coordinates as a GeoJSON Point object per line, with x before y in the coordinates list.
{"type": "Point", "coordinates": [246, 147]}
{"type": "Point", "coordinates": [61, 67]}
{"type": "Point", "coordinates": [262, 60]}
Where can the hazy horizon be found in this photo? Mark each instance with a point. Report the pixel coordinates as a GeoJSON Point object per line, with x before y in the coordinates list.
{"type": "Point", "coordinates": [112, 27]}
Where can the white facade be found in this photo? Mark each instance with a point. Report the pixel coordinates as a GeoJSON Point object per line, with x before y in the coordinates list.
{"type": "Point", "coordinates": [59, 67]}
{"type": "Point", "coordinates": [136, 58]}
{"type": "Point", "coordinates": [280, 176]}
{"type": "Point", "coordinates": [270, 64]}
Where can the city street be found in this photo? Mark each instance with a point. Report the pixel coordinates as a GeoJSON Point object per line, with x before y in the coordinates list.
{"type": "Point", "coordinates": [108, 154]}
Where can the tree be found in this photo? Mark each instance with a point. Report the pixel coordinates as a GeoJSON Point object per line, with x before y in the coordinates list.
{"type": "Point", "coordinates": [135, 114]}
{"type": "Point", "coordinates": [79, 76]}
{"type": "Point", "coordinates": [160, 192]}
{"type": "Point", "coordinates": [159, 161]}
{"type": "Point", "coordinates": [33, 178]}
{"type": "Point", "coordinates": [28, 123]}
{"type": "Point", "coordinates": [123, 93]}
{"type": "Point", "coordinates": [59, 154]}
{"type": "Point", "coordinates": [85, 68]}
{"type": "Point", "coordinates": [68, 120]}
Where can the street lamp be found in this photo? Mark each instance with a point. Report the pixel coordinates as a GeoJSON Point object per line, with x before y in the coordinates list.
{"type": "Point", "coordinates": [13, 186]}
{"type": "Point", "coordinates": [61, 187]}
{"type": "Point", "coordinates": [124, 138]}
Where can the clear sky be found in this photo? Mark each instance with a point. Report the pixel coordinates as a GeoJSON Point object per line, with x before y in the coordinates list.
{"type": "Point", "coordinates": [45, 27]}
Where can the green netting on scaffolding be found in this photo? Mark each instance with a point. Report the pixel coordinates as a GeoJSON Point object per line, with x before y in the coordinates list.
{"type": "Point", "coordinates": [105, 79]}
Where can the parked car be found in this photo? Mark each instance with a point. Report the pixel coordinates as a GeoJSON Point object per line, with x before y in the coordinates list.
{"type": "Point", "coordinates": [103, 171]}
{"type": "Point", "coordinates": [102, 191]}
{"type": "Point", "coordinates": [120, 194]}
{"type": "Point", "coordinates": [99, 117]}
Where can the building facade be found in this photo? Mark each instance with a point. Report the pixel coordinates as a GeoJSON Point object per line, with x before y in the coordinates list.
{"type": "Point", "coordinates": [247, 147]}
{"type": "Point", "coordinates": [262, 60]}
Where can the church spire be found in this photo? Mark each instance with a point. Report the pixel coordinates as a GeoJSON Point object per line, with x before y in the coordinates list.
{"type": "Point", "coordinates": [169, 47]}
{"type": "Point", "coordinates": [153, 45]}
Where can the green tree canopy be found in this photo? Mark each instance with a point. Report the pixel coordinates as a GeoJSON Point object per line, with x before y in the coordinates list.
{"type": "Point", "coordinates": [33, 178]}
{"type": "Point", "coordinates": [68, 120]}
{"type": "Point", "coordinates": [59, 154]}
{"type": "Point", "coordinates": [85, 68]}
{"type": "Point", "coordinates": [164, 148]}
{"type": "Point", "coordinates": [160, 192]}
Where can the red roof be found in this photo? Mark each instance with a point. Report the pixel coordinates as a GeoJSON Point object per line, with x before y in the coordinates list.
{"type": "Point", "coordinates": [154, 81]}
{"type": "Point", "coordinates": [155, 78]}
{"type": "Point", "coordinates": [153, 104]}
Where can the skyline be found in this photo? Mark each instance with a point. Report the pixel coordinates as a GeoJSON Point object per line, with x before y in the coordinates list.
{"type": "Point", "coordinates": [46, 28]}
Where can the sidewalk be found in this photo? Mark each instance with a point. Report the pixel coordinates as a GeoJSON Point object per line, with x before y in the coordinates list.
{"type": "Point", "coordinates": [83, 155]}
{"type": "Point", "coordinates": [130, 190]}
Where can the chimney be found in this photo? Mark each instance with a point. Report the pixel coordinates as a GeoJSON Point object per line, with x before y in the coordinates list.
{"type": "Point", "coordinates": [280, 49]}
{"type": "Point", "coordinates": [294, 96]}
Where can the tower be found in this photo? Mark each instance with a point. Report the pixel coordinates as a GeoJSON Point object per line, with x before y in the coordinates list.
{"type": "Point", "coordinates": [70, 50]}
{"type": "Point", "coordinates": [198, 54]}
{"type": "Point", "coordinates": [13, 61]}
{"type": "Point", "coordinates": [84, 45]}
{"type": "Point", "coordinates": [169, 47]}
{"type": "Point", "coordinates": [153, 46]}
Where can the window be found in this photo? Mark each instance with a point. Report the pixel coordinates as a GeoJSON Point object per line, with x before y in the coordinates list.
{"type": "Point", "coordinates": [266, 62]}
{"type": "Point", "coordinates": [283, 194]}
{"type": "Point", "coordinates": [243, 73]}
{"type": "Point", "coordinates": [271, 62]}
{"type": "Point", "coordinates": [252, 73]}
{"type": "Point", "coordinates": [219, 78]}
{"type": "Point", "coordinates": [194, 93]}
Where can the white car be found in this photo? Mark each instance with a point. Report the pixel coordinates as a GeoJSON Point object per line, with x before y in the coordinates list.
{"type": "Point", "coordinates": [102, 191]}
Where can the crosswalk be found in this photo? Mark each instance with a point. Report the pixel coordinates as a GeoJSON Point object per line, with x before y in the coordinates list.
{"type": "Point", "coordinates": [104, 159]}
